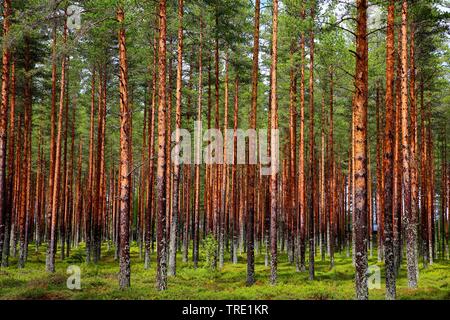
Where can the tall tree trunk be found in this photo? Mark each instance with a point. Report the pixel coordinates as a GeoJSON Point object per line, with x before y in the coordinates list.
{"type": "Point", "coordinates": [251, 168]}
{"type": "Point", "coordinates": [224, 171]}
{"type": "Point", "coordinates": [149, 216]}
{"type": "Point", "coordinates": [11, 174]}
{"type": "Point", "coordinates": [195, 253]}
{"type": "Point", "coordinates": [397, 191]}
{"type": "Point", "coordinates": [234, 194]}
{"type": "Point", "coordinates": [410, 227]}
{"type": "Point", "coordinates": [413, 146]}
{"type": "Point", "coordinates": [26, 162]}
{"type": "Point", "coordinates": [301, 157]}
{"type": "Point", "coordinates": [52, 135]}
{"type": "Point", "coordinates": [360, 152]}
{"type": "Point", "coordinates": [56, 181]}
{"type": "Point", "coordinates": [90, 186]}
{"type": "Point", "coordinates": [388, 158]}
{"type": "Point", "coordinates": [311, 151]}
{"type": "Point", "coordinates": [292, 185]}
{"type": "Point", "coordinates": [3, 121]}
{"type": "Point", "coordinates": [176, 170]}
{"type": "Point", "coordinates": [125, 168]}
{"type": "Point", "coordinates": [274, 150]}
{"type": "Point", "coordinates": [161, 278]}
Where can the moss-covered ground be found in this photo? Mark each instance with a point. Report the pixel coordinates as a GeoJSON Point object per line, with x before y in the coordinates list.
{"type": "Point", "coordinates": [100, 281]}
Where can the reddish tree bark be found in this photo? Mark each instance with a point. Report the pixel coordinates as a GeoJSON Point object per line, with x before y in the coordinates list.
{"type": "Point", "coordinates": [176, 170]}
{"type": "Point", "coordinates": [57, 174]}
{"type": "Point", "coordinates": [388, 159]}
{"type": "Point", "coordinates": [161, 278]}
{"type": "Point", "coordinates": [3, 120]}
{"type": "Point", "coordinates": [125, 168]}
{"type": "Point", "coordinates": [251, 168]}
{"type": "Point", "coordinates": [273, 154]}
{"type": "Point", "coordinates": [360, 151]}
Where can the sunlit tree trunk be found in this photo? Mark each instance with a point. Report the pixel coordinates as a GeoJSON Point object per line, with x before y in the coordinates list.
{"type": "Point", "coordinates": [388, 159]}
{"type": "Point", "coordinates": [413, 146]}
{"type": "Point", "coordinates": [125, 168]}
{"type": "Point", "coordinates": [410, 227]}
{"type": "Point", "coordinates": [360, 151]}
{"type": "Point", "coordinates": [57, 177]}
{"type": "Point", "coordinates": [176, 170]}
{"type": "Point", "coordinates": [161, 277]}
{"type": "Point", "coordinates": [273, 154]}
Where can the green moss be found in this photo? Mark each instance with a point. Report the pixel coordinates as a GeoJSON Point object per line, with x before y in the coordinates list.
{"type": "Point", "coordinates": [100, 281]}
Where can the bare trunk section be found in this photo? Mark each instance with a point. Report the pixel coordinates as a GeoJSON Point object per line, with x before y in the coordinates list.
{"type": "Point", "coordinates": [125, 168]}
{"type": "Point", "coordinates": [176, 170]}
{"type": "Point", "coordinates": [410, 227]}
{"type": "Point", "coordinates": [388, 158]}
{"type": "Point", "coordinates": [3, 122]}
{"type": "Point", "coordinates": [252, 168]}
{"type": "Point", "coordinates": [273, 154]}
{"type": "Point", "coordinates": [195, 253]}
{"type": "Point", "coordinates": [360, 151]}
{"type": "Point", "coordinates": [311, 153]}
{"type": "Point", "coordinates": [301, 159]}
{"type": "Point", "coordinates": [56, 181]}
{"type": "Point", "coordinates": [161, 278]}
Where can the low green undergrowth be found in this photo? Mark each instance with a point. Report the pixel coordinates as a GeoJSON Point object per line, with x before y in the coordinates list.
{"type": "Point", "coordinates": [100, 281]}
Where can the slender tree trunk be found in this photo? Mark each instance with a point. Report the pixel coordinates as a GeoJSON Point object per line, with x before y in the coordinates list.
{"type": "Point", "coordinates": [224, 171]}
{"type": "Point", "coordinates": [151, 153]}
{"type": "Point", "coordinates": [360, 156]}
{"type": "Point", "coordinates": [161, 278]}
{"type": "Point", "coordinates": [413, 147]}
{"type": "Point", "coordinates": [292, 156]}
{"type": "Point", "coordinates": [56, 181]}
{"type": "Point", "coordinates": [125, 168]}
{"type": "Point", "coordinates": [301, 157]}
{"type": "Point", "coordinates": [26, 162]}
{"type": "Point", "coordinates": [274, 149]}
{"type": "Point", "coordinates": [176, 173]}
{"type": "Point", "coordinates": [331, 168]}
{"type": "Point", "coordinates": [388, 158]}
{"type": "Point", "coordinates": [311, 153]}
{"type": "Point", "coordinates": [11, 174]}
{"type": "Point", "coordinates": [397, 191]}
{"type": "Point", "coordinates": [234, 194]}
{"type": "Point", "coordinates": [3, 121]}
{"type": "Point", "coordinates": [410, 227]}
{"type": "Point", "coordinates": [251, 168]}
{"type": "Point", "coordinates": [195, 253]}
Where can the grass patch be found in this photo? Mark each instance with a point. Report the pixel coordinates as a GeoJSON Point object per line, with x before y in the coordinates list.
{"type": "Point", "coordinates": [100, 281]}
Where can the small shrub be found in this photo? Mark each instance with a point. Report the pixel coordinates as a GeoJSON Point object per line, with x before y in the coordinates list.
{"type": "Point", "coordinates": [210, 246]}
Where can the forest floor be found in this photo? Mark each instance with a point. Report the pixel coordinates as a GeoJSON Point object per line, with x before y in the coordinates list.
{"type": "Point", "coordinates": [100, 281]}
